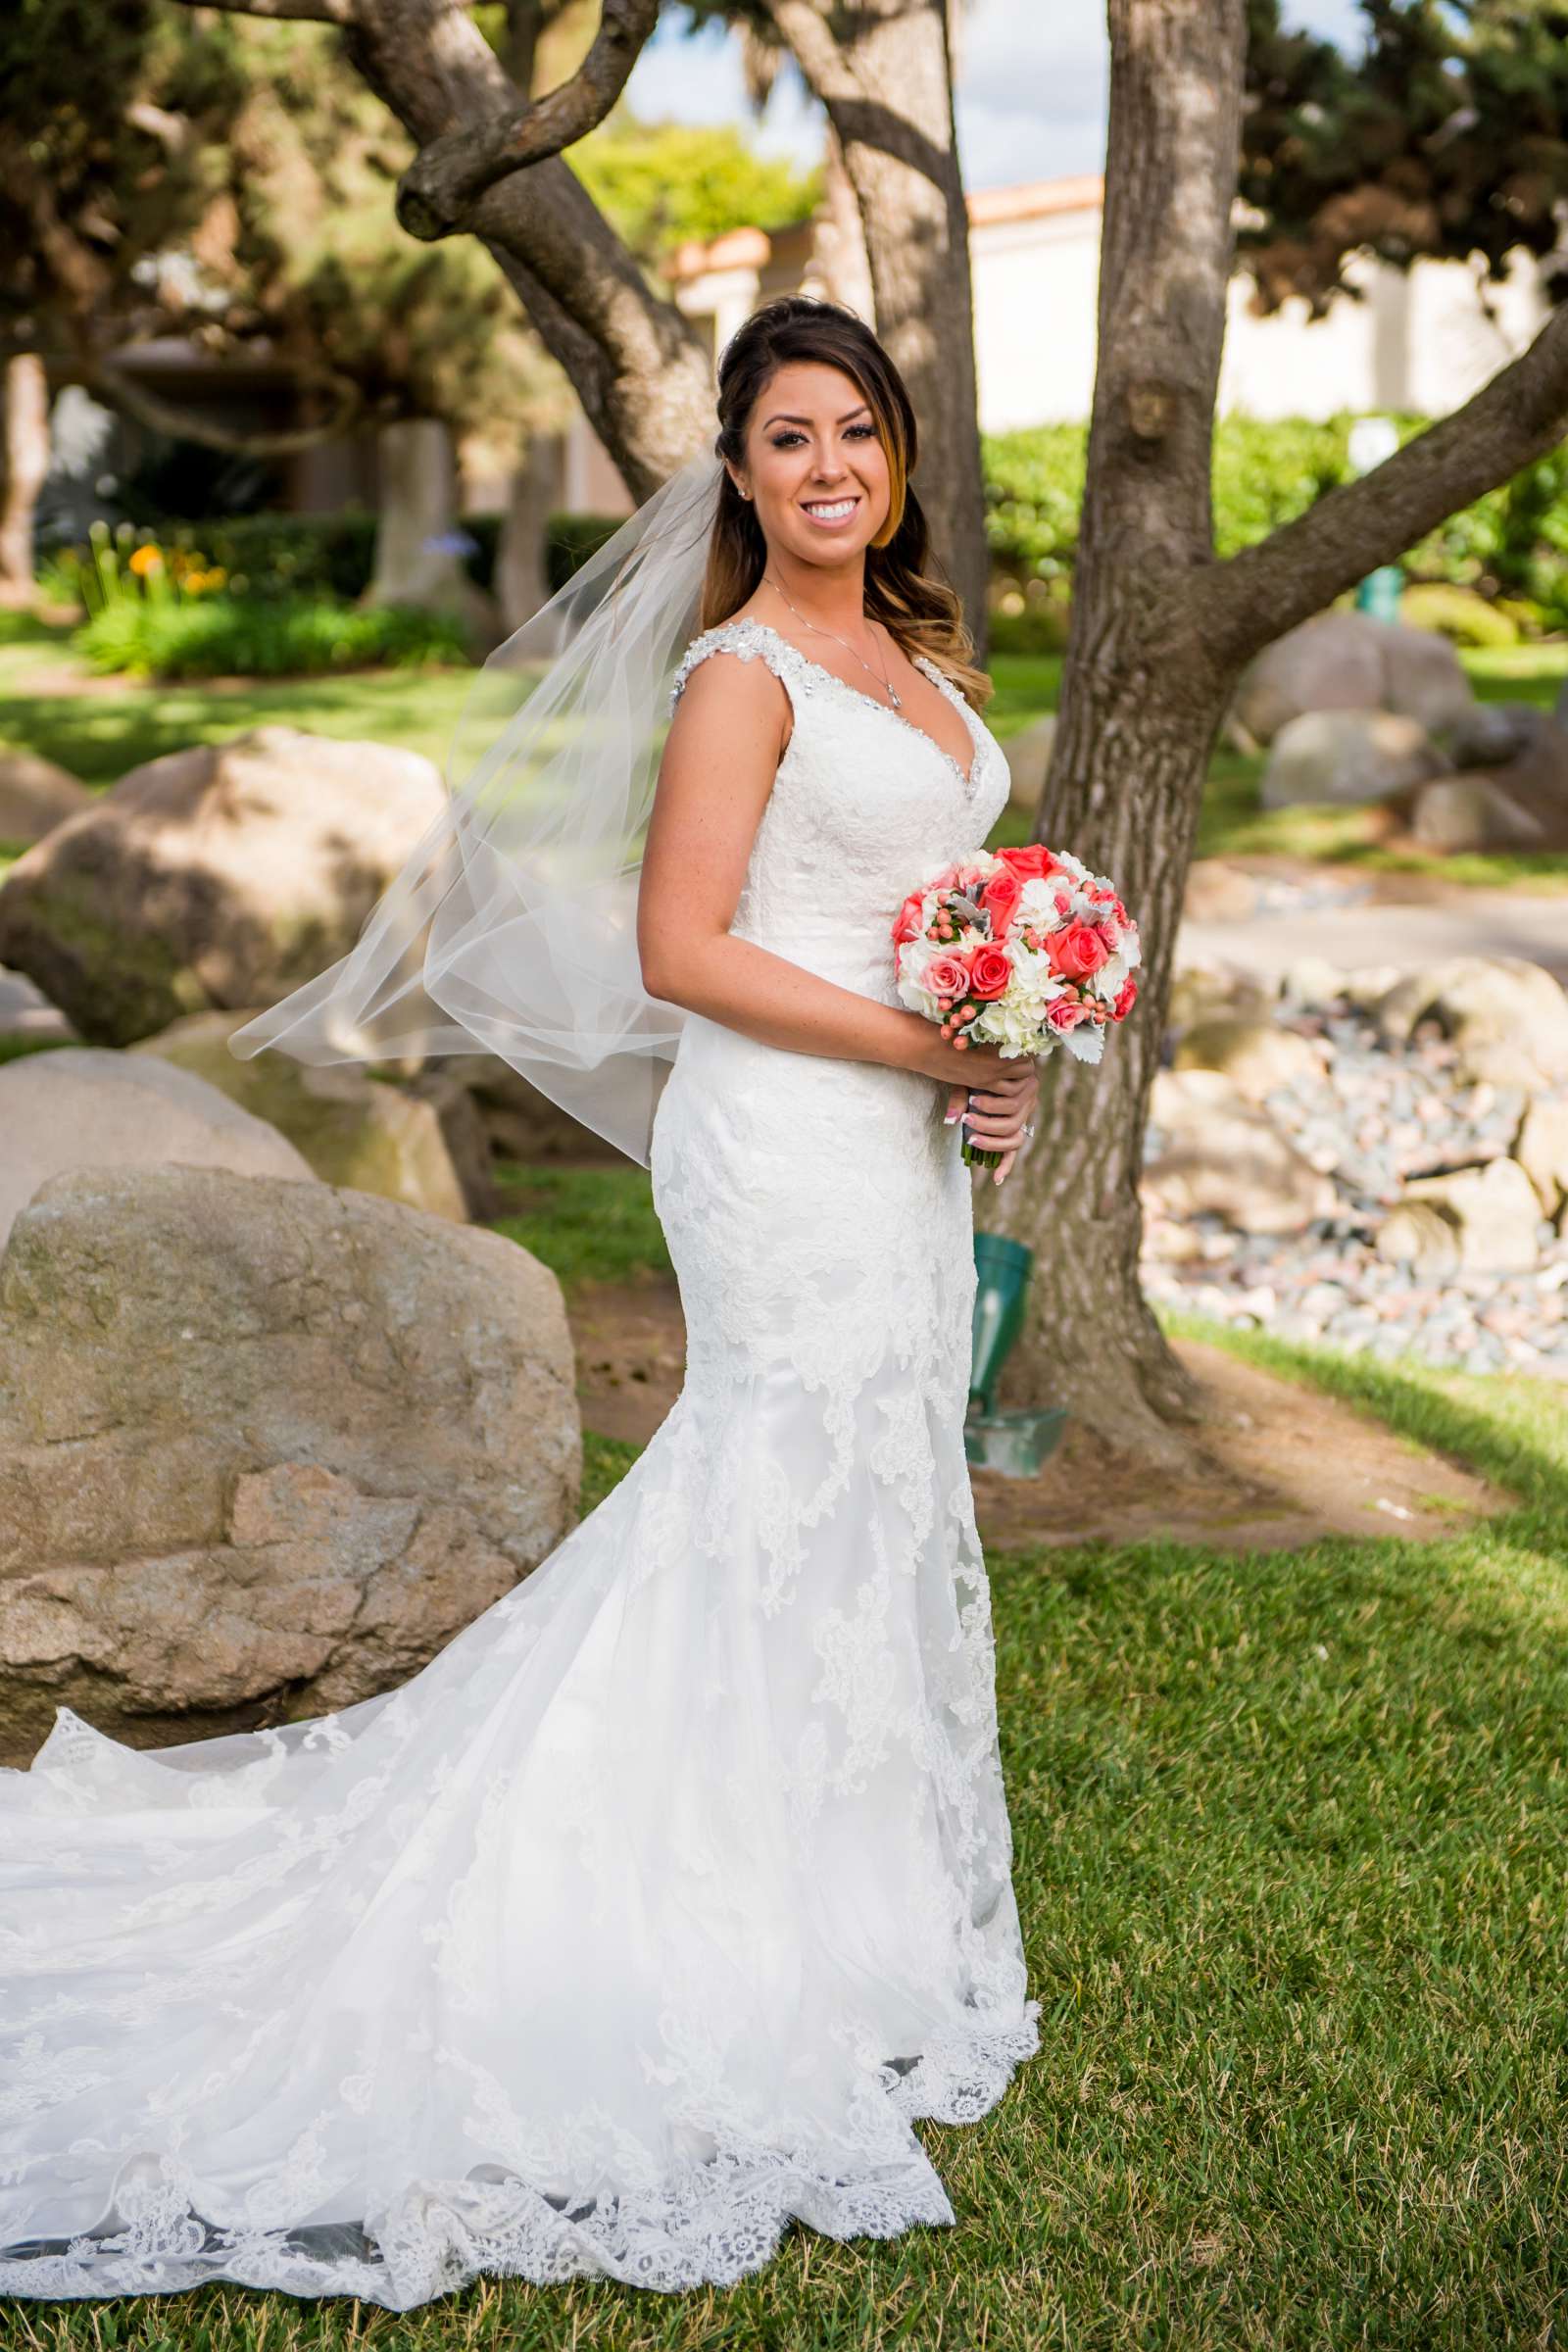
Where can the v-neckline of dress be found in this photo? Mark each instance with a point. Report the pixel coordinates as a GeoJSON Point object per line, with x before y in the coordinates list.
{"type": "Point", "coordinates": [930, 669]}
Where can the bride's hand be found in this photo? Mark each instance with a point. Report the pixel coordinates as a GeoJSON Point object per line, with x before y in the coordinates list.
{"type": "Point", "coordinates": [998, 1111]}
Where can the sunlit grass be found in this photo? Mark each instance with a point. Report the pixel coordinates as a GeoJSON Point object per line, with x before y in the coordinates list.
{"type": "Point", "coordinates": [1292, 1858]}
{"type": "Point", "coordinates": [585, 1224]}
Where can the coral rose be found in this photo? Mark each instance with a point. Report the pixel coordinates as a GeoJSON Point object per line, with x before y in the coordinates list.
{"type": "Point", "coordinates": [1030, 860]}
{"type": "Point", "coordinates": [1126, 997]}
{"type": "Point", "coordinates": [1066, 1012]}
{"type": "Point", "coordinates": [1000, 899]}
{"type": "Point", "coordinates": [1078, 952]}
{"type": "Point", "coordinates": [989, 973]}
{"type": "Point", "coordinates": [908, 924]}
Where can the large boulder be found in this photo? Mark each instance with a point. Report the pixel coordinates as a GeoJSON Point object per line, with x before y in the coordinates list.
{"type": "Point", "coordinates": [1346, 757]}
{"type": "Point", "coordinates": [349, 1128]}
{"type": "Point", "coordinates": [1521, 803]}
{"type": "Point", "coordinates": [90, 1109]}
{"type": "Point", "coordinates": [1469, 812]}
{"type": "Point", "coordinates": [1349, 661]}
{"type": "Point", "coordinates": [265, 1447]}
{"type": "Point", "coordinates": [1507, 1017]}
{"type": "Point", "coordinates": [1542, 1150]}
{"type": "Point", "coordinates": [1213, 1153]}
{"type": "Point", "coordinates": [1490, 734]}
{"type": "Point", "coordinates": [1256, 1057]}
{"type": "Point", "coordinates": [519, 1121]}
{"type": "Point", "coordinates": [26, 1012]}
{"type": "Point", "coordinates": [223, 875]}
{"type": "Point", "coordinates": [1492, 1210]}
{"type": "Point", "coordinates": [35, 796]}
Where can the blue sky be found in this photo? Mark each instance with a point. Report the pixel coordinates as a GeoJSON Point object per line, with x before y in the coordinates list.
{"type": "Point", "coordinates": [1030, 91]}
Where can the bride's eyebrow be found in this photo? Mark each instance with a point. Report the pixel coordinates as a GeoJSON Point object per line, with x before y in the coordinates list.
{"type": "Point", "coordinates": [843, 419]}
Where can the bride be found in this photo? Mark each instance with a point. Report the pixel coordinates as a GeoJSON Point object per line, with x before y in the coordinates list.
{"type": "Point", "coordinates": [652, 1912]}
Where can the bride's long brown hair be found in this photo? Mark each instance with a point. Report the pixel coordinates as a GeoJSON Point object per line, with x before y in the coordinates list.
{"type": "Point", "coordinates": [917, 607]}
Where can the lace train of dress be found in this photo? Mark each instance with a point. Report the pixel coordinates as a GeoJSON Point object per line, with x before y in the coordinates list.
{"type": "Point", "coordinates": [651, 1912]}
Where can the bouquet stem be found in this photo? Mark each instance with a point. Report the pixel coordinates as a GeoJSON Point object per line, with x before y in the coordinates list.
{"type": "Point", "coordinates": [975, 1155]}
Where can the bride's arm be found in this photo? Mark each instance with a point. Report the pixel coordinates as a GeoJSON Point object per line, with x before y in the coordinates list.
{"type": "Point", "coordinates": [723, 747]}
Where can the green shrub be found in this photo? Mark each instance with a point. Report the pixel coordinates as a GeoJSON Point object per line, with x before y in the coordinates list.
{"type": "Point", "coordinates": [269, 557]}
{"type": "Point", "coordinates": [1457, 613]}
{"type": "Point", "coordinates": [224, 636]}
{"type": "Point", "coordinates": [1512, 543]}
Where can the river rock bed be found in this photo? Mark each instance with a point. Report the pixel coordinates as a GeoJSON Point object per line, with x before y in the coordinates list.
{"type": "Point", "coordinates": [1375, 1117]}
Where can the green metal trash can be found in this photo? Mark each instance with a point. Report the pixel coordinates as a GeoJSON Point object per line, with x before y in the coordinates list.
{"type": "Point", "coordinates": [1016, 1443]}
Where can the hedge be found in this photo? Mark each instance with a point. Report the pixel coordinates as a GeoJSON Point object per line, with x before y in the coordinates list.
{"type": "Point", "coordinates": [1511, 544]}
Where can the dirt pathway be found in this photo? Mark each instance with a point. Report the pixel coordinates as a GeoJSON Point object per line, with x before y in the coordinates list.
{"type": "Point", "coordinates": [1286, 1465]}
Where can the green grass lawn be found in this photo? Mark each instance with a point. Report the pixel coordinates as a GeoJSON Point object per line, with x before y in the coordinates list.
{"type": "Point", "coordinates": [1292, 1854]}
{"type": "Point", "coordinates": [99, 734]}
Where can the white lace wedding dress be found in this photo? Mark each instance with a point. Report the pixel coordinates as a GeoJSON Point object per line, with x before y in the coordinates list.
{"type": "Point", "coordinates": [646, 1916]}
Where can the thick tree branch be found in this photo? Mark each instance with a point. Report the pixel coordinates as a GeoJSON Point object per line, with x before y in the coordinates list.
{"type": "Point", "coordinates": [437, 193]}
{"type": "Point", "coordinates": [637, 363]}
{"type": "Point", "coordinates": [1255, 595]}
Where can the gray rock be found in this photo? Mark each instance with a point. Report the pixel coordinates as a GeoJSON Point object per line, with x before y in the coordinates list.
{"type": "Point", "coordinates": [220, 877]}
{"type": "Point", "coordinates": [265, 1447]}
{"type": "Point", "coordinates": [26, 1012]}
{"type": "Point", "coordinates": [92, 1110]}
{"type": "Point", "coordinates": [1346, 757]}
{"type": "Point", "coordinates": [1508, 1018]}
{"type": "Point", "coordinates": [1223, 1157]}
{"type": "Point", "coordinates": [1219, 892]}
{"type": "Point", "coordinates": [1421, 1234]}
{"type": "Point", "coordinates": [35, 796]}
{"type": "Point", "coordinates": [1348, 662]}
{"type": "Point", "coordinates": [347, 1126]}
{"type": "Point", "coordinates": [1541, 1150]}
{"type": "Point", "coordinates": [1424, 678]}
{"type": "Point", "coordinates": [1255, 1056]}
{"type": "Point", "coordinates": [1473, 812]}
{"type": "Point", "coordinates": [1490, 734]}
{"type": "Point", "coordinates": [1494, 1211]}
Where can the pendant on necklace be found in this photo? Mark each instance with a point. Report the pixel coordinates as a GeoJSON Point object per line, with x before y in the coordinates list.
{"type": "Point", "coordinates": [895, 700]}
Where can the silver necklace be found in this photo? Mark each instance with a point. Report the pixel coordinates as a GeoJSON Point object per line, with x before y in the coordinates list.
{"type": "Point", "coordinates": [895, 699]}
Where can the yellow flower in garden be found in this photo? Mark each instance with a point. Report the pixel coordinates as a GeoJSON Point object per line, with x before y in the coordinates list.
{"type": "Point", "coordinates": [146, 559]}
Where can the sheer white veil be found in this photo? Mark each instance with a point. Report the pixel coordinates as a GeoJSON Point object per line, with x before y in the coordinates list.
{"type": "Point", "coordinates": [511, 930]}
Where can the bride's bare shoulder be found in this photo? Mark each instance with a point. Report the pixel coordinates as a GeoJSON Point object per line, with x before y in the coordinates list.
{"type": "Point", "coordinates": [736, 672]}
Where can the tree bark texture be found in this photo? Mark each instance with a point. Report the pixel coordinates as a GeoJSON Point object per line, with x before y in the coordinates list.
{"type": "Point", "coordinates": [881, 70]}
{"type": "Point", "coordinates": [1159, 633]}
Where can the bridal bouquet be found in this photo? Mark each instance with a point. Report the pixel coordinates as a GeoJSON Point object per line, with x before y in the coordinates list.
{"type": "Point", "coordinates": [1023, 949]}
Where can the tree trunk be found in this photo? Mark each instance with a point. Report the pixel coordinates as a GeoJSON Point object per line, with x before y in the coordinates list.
{"type": "Point", "coordinates": [417, 559]}
{"type": "Point", "coordinates": [521, 586]}
{"type": "Point", "coordinates": [1142, 697]}
{"type": "Point", "coordinates": [1159, 633]}
{"type": "Point", "coordinates": [881, 70]}
{"type": "Point", "coordinates": [26, 397]}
